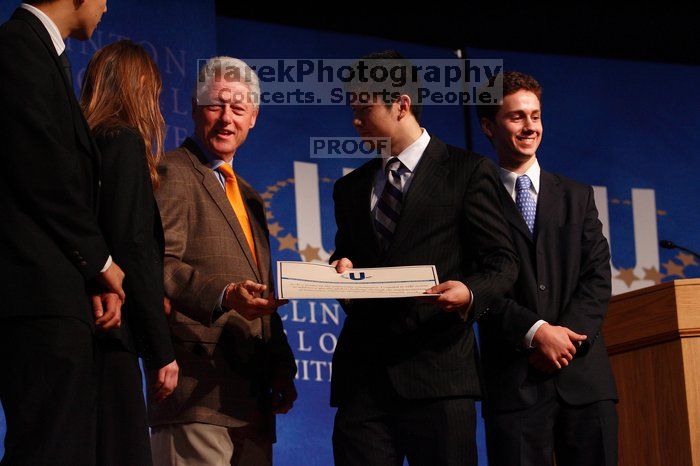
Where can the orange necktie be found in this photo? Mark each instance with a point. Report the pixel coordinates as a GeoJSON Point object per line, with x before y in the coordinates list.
{"type": "Point", "coordinates": [236, 200]}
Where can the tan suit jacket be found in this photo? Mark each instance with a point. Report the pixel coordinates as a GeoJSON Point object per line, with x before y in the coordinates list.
{"type": "Point", "coordinates": [226, 362]}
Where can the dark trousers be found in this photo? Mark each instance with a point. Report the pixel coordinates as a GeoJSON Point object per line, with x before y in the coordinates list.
{"type": "Point", "coordinates": [576, 435]}
{"type": "Point", "coordinates": [122, 423]}
{"type": "Point", "coordinates": [379, 428]}
{"type": "Point", "coordinates": [48, 389]}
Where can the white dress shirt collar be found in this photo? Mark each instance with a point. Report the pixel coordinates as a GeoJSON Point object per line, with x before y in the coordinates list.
{"type": "Point", "coordinates": [509, 178]}
{"type": "Point", "coordinates": [411, 155]}
{"type": "Point", "coordinates": [50, 26]}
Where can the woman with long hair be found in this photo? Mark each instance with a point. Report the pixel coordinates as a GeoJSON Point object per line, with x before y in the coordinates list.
{"type": "Point", "coordinates": [120, 99]}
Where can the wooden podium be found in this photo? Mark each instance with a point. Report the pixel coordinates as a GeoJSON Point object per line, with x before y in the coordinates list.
{"type": "Point", "coordinates": [653, 338]}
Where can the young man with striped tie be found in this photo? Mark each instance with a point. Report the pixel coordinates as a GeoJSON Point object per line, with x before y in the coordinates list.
{"type": "Point", "coordinates": [405, 370]}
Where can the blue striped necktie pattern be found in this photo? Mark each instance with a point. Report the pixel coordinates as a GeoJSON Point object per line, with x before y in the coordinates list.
{"type": "Point", "coordinates": [525, 202]}
{"type": "Point", "coordinates": [388, 210]}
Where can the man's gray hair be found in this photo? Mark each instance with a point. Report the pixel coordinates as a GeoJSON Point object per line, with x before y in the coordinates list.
{"type": "Point", "coordinates": [226, 69]}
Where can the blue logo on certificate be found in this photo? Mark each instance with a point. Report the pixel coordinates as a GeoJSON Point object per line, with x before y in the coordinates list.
{"type": "Point", "coordinates": [355, 276]}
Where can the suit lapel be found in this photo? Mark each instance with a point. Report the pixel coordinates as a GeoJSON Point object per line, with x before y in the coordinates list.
{"type": "Point", "coordinates": [218, 195]}
{"type": "Point", "coordinates": [360, 202]}
{"type": "Point", "coordinates": [549, 197]}
{"type": "Point", "coordinates": [513, 215]}
{"type": "Point", "coordinates": [81, 129]}
{"type": "Point", "coordinates": [429, 171]}
{"type": "Point", "coordinates": [256, 214]}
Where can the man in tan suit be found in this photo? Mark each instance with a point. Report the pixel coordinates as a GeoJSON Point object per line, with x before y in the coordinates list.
{"type": "Point", "coordinates": [236, 367]}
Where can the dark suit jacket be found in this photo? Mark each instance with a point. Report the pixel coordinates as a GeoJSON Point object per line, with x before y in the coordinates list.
{"type": "Point", "coordinates": [131, 224]}
{"type": "Point", "coordinates": [451, 218]}
{"type": "Point", "coordinates": [51, 242]}
{"type": "Point", "coordinates": [225, 363]}
{"type": "Point", "coordinates": [564, 279]}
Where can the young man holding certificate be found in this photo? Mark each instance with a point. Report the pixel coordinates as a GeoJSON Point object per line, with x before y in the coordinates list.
{"type": "Point", "coordinates": [405, 370]}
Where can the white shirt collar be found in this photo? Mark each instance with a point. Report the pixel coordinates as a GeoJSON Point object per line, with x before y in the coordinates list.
{"type": "Point", "coordinates": [411, 155]}
{"type": "Point", "coordinates": [508, 178]}
{"type": "Point", "coordinates": [50, 26]}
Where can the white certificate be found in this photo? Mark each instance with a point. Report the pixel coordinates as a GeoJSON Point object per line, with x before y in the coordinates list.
{"type": "Point", "coordinates": [306, 280]}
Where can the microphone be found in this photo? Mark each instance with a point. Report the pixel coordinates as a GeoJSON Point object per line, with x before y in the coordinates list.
{"type": "Point", "coordinates": [666, 244]}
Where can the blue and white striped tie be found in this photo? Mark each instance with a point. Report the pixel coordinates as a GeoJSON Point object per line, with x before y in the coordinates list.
{"type": "Point", "coordinates": [388, 210]}
{"type": "Point", "coordinates": [524, 201]}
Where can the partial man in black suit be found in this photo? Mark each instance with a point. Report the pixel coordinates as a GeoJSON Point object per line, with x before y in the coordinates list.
{"type": "Point", "coordinates": [405, 370]}
{"type": "Point", "coordinates": [550, 390]}
{"type": "Point", "coordinates": [53, 255]}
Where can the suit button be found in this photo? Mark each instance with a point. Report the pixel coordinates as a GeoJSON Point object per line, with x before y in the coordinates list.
{"type": "Point", "coordinates": [542, 287]}
{"type": "Point", "coordinates": [76, 253]}
{"type": "Point", "coordinates": [83, 264]}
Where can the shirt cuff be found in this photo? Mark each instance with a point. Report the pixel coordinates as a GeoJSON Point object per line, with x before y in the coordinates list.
{"type": "Point", "coordinates": [219, 308]}
{"type": "Point", "coordinates": [464, 312]}
{"type": "Point", "coordinates": [107, 265]}
{"type": "Point", "coordinates": [527, 340]}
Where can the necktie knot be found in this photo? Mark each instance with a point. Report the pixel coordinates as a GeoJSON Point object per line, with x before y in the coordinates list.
{"type": "Point", "coordinates": [523, 183]}
{"type": "Point", "coordinates": [392, 166]}
{"type": "Point", "coordinates": [226, 170]}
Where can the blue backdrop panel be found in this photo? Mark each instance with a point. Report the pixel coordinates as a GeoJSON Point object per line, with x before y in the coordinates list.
{"type": "Point", "coordinates": [276, 160]}
{"type": "Point", "coordinates": [628, 128]}
{"type": "Point", "coordinates": [6, 9]}
{"type": "Point", "coordinates": [172, 42]}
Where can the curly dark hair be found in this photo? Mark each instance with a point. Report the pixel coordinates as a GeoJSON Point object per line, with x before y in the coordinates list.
{"type": "Point", "coordinates": [513, 81]}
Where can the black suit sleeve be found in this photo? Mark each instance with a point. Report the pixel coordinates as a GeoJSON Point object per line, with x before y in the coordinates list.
{"type": "Point", "coordinates": [342, 236]}
{"type": "Point", "coordinates": [43, 170]}
{"type": "Point", "coordinates": [342, 240]}
{"type": "Point", "coordinates": [127, 216]}
{"type": "Point", "coordinates": [489, 236]}
{"type": "Point", "coordinates": [514, 320]}
{"type": "Point", "coordinates": [585, 311]}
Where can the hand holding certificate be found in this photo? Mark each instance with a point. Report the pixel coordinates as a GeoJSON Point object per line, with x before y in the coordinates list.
{"type": "Point", "coordinates": [305, 280]}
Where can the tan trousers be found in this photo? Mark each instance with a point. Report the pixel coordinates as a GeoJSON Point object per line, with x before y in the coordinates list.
{"type": "Point", "coordinates": [199, 444]}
